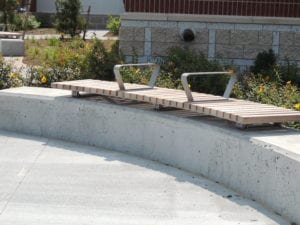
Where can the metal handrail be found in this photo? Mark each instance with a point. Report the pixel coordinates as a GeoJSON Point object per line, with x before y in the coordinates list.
{"type": "Point", "coordinates": [118, 76]}
{"type": "Point", "coordinates": [187, 89]}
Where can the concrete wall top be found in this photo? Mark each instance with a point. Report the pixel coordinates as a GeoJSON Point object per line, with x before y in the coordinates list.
{"type": "Point", "coordinates": [261, 163]}
{"type": "Point", "coordinates": [101, 7]}
{"type": "Point", "coordinates": [210, 18]}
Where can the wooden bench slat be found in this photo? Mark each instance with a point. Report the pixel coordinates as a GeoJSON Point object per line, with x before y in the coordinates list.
{"type": "Point", "coordinates": [236, 110]}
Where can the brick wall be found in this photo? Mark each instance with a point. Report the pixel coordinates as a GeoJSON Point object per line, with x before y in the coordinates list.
{"type": "Point", "coordinates": [234, 40]}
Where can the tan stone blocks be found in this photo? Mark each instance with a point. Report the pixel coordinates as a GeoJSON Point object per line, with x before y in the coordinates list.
{"type": "Point", "coordinates": [265, 37]}
{"type": "Point", "coordinates": [203, 48]}
{"type": "Point", "coordinates": [161, 49]}
{"type": "Point", "coordinates": [287, 38]}
{"type": "Point", "coordinates": [297, 39]}
{"type": "Point", "coordinates": [290, 52]}
{"type": "Point", "coordinates": [241, 37]}
{"type": "Point", "coordinates": [251, 51]}
{"type": "Point", "coordinates": [201, 36]}
{"type": "Point", "coordinates": [132, 34]}
{"type": "Point", "coordinates": [132, 47]}
{"type": "Point", "coordinates": [223, 37]}
{"type": "Point", "coordinates": [229, 51]}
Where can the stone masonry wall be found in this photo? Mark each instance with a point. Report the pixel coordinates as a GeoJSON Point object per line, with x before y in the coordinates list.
{"type": "Point", "coordinates": [235, 40]}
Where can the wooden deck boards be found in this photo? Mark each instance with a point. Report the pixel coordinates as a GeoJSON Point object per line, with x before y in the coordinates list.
{"type": "Point", "coordinates": [239, 111]}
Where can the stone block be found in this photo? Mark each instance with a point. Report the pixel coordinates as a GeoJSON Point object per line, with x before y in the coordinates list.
{"type": "Point", "coordinates": [158, 34]}
{"type": "Point", "coordinates": [132, 48]}
{"type": "Point", "coordinates": [290, 52]}
{"type": "Point", "coordinates": [12, 47]}
{"type": "Point", "coordinates": [132, 34]}
{"type": "Point", "coordinates": [265, 37]}
{"type": "Point", "coordinates": [126, 33]}
{"type": "Point", "coordinates": [297, 39]}
{"type": "Point", "coordinates": [251, 51]}
{"type": "Point", "coordinates": [287, 38]}
{"type": "Point", "coordinates": [248, 27]}
{"type": "Point", "coordinates": [220, 26]}
{"type": "Point", "coordinates": [201, 36]}
{"type": "Point", "coordinates": [163, 24]}
{"type": "Point", "coordinates": [172, 35]}
{"type": "Point", "coordinates": [240, 37]}
{"type": "Point", "coordinates": [223, 37]}
{"type": "Point", "coordinates": [202, 48]}
{"type": "Point", "coordinates": [139, 34]}
{"type": "Point", "coordinates": [161, 49]}
{"type": "Point", "coordinates": [230, 51]}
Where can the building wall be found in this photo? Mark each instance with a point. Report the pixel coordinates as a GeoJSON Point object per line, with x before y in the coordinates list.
{"type": "Point", "coordinates": [234, 40]}
{"type": "Point", "coordinates": [100, 7]}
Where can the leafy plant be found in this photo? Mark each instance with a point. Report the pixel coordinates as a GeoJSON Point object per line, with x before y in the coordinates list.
{"type": "Point", "coordinates": [264, 63]}
{"type": "Point", "coordinates": [290, 71]}
{"type": "Point", "coordinates": [113, 24]}
{"type": "Point", "coordinates": [8, 77]}
{"type": "Point", "coordinates": [21, 24]}
{"type": "Point", "coordinates": [68, 19]}
{"type": "Point", "coordinates": [100, 62]}
{"type": "Point", "coordinates": [8, 7]}
{"type": "Point", "coordinates": [180, 60]}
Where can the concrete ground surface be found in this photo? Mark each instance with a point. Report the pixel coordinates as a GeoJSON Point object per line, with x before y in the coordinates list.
{"type": "Point", "coordinates": [90, 34]}
{"type": "Point", "coordinates": [45, 181]}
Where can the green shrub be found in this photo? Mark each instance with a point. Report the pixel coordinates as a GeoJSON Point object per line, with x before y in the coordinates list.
{"type": "Point", "coordinates": [100, 62]}
{"type": "Point", "coordinates": [290, 71]}
{"type": "Point", "coordinates": [264, 63]}
{"type": "Point", "coordinates": [179, 61]}
{"type": "Point", "coordinates": [68, 18]}
{"type": "Point", "coordinates": [9, 78]}
{"type": "Point", "coordinates": [113, 24]}
{"type": "Point", "coordinates": [8, 15]}
{"type": "Point", "coordinates": [53, 42]}
{"type": "Point", "coordinates": [20, 22]}
{"type": "Point", "coordinates": [262, 89]}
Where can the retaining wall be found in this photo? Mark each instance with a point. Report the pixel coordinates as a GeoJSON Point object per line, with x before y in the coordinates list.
{"type": "Point", "coordinates": [233, 39]}
{"type": "Point", "coordinates": [262, 164]}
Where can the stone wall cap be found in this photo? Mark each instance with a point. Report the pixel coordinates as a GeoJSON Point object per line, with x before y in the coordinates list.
{"type": "Point", "coordinates": [211, 18]}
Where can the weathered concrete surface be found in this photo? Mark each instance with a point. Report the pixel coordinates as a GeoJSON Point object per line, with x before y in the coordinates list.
{"type": "Point", "coordinates": [252, 162]}
{"type": "Point", "coordinates": [12, 47]}
{"type": "Point", "coordinates": [46, 181]}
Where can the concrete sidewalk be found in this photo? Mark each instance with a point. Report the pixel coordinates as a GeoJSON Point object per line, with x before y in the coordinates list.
{"type": "Point", "coordinates": [44, 181]}
{"type": "Point", "coordinates": [90, 34]}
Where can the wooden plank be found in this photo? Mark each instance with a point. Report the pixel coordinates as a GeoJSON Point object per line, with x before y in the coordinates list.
{"type": "Point", "coordinates": [241, 111]}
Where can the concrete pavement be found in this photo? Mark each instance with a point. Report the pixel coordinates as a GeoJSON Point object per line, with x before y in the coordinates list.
{"type": "Point", "coordinates": [45, 181]}
{"type": "Point", "coordinates": [90, 34]}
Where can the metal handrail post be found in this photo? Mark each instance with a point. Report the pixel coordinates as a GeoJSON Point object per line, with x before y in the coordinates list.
{"type": "Point", "coordinates": [118, 76]}
{"type": "Point", "coordinates": [187, 89]}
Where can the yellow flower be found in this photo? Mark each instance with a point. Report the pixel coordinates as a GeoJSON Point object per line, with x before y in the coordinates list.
{"type": "Point", "coordinates": [12, 75]}
{"type": "Point", "coordinates": [138, 71]}
{"type": "Point", "coordinates": [261, 89]}
{"type": "Point", "coordinates": [231, 70]}
{"type": "Point", "coordinates": [297, 106]}
{"type": "Point", "coordinates": [170, 64]}
{"type": "Point", "coordinates": [43, 79]}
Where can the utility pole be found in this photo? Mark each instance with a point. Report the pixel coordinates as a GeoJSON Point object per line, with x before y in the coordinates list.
{"type": "Point", "coordinates": [86, 23]}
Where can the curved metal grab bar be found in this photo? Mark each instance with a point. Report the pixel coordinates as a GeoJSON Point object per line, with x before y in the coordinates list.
{"type": "Point", "coordinates": [187, 89]}
{"type": "Point", "coordinates": [118, 76]}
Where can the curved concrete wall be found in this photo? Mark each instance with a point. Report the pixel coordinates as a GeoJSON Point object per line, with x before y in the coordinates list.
{"type": "Point", "coordinates": [263, 165]}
